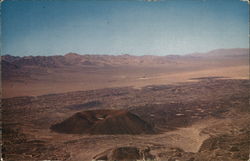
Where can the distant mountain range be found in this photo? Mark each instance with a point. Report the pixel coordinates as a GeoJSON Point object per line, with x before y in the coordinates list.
{"type": "Point", "coordinates": [74, 59]}
{"type": "Point", "coordinates": [15, 65]}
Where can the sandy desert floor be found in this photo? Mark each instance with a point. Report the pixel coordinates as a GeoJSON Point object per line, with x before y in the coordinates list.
{"type": "Point", "coordinates": [65, 81]}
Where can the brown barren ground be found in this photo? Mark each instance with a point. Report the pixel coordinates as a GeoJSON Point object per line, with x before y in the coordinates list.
{"type": "Point", "coordinates": [199, 109]}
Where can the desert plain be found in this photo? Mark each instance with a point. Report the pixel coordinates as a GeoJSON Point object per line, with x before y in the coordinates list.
{"type": "Point", "coordinates": [193, 107]}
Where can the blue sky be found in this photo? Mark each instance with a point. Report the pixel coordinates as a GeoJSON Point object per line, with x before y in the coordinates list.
{"type": "Point", "coordinates": [53, 27]}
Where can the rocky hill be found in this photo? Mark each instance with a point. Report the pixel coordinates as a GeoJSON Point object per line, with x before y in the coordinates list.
{"type": "Point", "coordinates": [103, 122]}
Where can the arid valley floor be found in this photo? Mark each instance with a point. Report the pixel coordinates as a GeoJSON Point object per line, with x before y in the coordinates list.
{"type": "Point", "coordinates": [84, 107]}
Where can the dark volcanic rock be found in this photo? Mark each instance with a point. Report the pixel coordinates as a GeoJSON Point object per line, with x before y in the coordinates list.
{"type": "Point", "coordinates": [84, 105]}
{"type": "Point", "coordinates": [125, 154]}
{"type": "Point", "coordinates": [103, 122]}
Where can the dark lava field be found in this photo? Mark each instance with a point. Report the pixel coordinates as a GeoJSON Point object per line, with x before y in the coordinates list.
{"type": "Point", "coordinates": [205, 119]}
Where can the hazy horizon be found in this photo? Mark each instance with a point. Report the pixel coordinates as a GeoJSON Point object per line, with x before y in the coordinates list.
{"type": "Point", "coordinates": [130, 54]}
{"type": "Point", "coordinates": [46, 28]}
